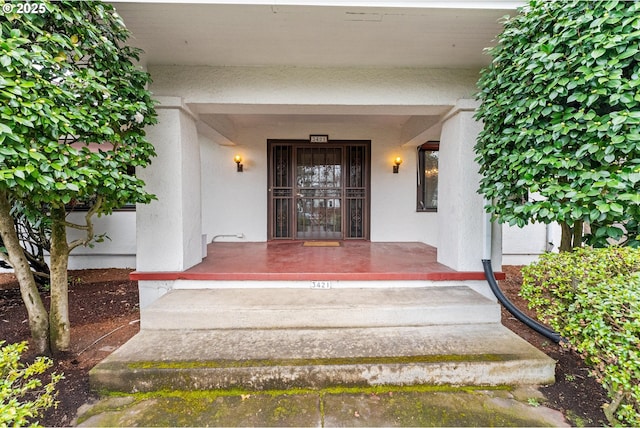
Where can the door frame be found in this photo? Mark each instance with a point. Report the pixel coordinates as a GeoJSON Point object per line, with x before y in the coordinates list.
{"type": "Point", "coordinates": [291, 208]}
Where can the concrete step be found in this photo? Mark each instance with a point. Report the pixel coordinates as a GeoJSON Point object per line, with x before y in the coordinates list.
{"type": "Point", "coordinates": [266, 359]}
{"type": "Point", "coordinates": [318, 308]}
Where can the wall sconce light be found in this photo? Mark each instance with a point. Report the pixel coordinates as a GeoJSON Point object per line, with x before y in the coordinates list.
{"type": "Point", "coordinates": [237, 159]}
{"type": "Point", "coordinates": [396, 166]}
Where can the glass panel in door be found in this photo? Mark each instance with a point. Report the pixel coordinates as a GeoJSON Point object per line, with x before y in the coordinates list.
{"type": "Point", "coordinates": [318, 197]}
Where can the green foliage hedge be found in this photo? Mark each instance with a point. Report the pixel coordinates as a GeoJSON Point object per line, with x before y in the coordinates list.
{"type": "Point", "coordinates": [592, 298]}
{"type": "Point", "coordinates": [561, 115]}
{"type": "Point", "coordinates": [23, 396]}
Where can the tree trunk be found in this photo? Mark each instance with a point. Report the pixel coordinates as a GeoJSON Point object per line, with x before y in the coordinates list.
{"type": "Point", "coordinates": [59, 310]}
{"type": "Point", "coordinates": [567, 238]}
{"type": "Point", "coordinates": [577, 234]}
{"type": "Point", "coordinates": [37, 313]}
{"type": "Point", "coordinates": [571, 236]}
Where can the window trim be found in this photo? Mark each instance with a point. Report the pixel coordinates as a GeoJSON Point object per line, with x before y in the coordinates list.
{"type": "Point", "coordinates": [433, 146]}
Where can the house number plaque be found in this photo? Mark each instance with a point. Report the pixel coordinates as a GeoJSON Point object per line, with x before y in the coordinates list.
{"type": "Point", "coordinates": [318, 138]}
{"type": "Point", "coordinates": [321, 285]}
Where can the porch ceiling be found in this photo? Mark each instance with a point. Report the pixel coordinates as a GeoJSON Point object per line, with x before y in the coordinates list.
{"type": "Point", "coordinates": [223, 127]}
{"type": "Point", "coordinates": [434, 34]}
{"type": "Point", "coordinates": [414, 129]}
{"type": "Point", "coordinates": [309, 33]}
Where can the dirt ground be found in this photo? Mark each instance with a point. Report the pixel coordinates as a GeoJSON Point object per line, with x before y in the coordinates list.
{"type": "Point", "coordinates": [104, 314]}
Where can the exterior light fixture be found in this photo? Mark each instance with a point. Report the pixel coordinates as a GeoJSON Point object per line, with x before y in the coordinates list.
{"type": "Point", "coordinates": [237, 159]}
{"type": "Point", "coordinates": [396, 166]}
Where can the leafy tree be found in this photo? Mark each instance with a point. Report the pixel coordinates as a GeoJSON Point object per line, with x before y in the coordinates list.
{"type": "Point", "coordinates": [73, 106]}
{"type": "Point", "coordinates": [561, 109]}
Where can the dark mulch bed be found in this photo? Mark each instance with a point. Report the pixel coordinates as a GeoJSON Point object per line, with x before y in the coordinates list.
{"type": "Point", "coordinates": [103, 313]}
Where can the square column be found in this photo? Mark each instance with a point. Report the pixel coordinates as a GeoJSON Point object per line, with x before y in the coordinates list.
{"type": "Point", "coordinates": [169, 229]}
{"type": "Point", "coordinates": [460, 206]}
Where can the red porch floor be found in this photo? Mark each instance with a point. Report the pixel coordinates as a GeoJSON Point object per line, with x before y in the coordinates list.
{"type": "Point", "coordinates": [290, 260]}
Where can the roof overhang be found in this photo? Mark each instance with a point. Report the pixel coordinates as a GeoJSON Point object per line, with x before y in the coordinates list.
{"type": "Point", "coordinates": [433, 34]}
{"type": "Point", "coordinates": [357, 34]}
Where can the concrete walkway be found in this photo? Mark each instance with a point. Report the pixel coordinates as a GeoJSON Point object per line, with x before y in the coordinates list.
{"type": "Point", "coordinates": [327, 408]}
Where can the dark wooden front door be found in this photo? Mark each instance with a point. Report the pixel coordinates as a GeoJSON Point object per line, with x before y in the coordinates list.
{"type": "Point", "coordinates": [318, 191]}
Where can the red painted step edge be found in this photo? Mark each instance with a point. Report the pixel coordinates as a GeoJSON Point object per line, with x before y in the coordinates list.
{"type": "Point", "coordinates": [311, 276]}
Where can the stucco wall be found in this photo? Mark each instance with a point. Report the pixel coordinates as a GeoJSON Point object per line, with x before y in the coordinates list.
{"type": "Point", "coordinates": [236, 203]}
{"type": "Point", "coordinates": [255, 86]}
{"type": "Point", "coordinates": [118, 248]}
{"type": "Point", "coordinates": [232, 202]}
{"type": "Point", "coordinates": [521, 246]}
{"type": "Point", "coordinates": [460, 223]}
{"type": "Point", "coordinates": [169, 228]}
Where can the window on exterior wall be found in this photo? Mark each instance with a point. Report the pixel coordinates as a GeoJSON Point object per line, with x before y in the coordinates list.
{"type": "Point", "coordinates": [75, 206]}
{"type": "Point", "coordinates": [428, 176]}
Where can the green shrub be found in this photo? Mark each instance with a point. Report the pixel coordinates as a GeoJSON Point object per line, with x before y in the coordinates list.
{"type": "Point", "coordinates": [22, 394]}
{"type": "Point", "coordinates": [592, 298]}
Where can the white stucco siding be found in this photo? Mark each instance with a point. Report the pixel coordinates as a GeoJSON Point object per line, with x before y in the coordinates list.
{"type": "Point", "coordinates": [191, 200]}
{"type": "Point", "coordinates": [169, 228]}
{"type": "Point", "coordinates": [460, 207]}
{"type": "Point", "coordinates": [393, 197]}
{"type": "Point", "coordinates": [522, 246]}
{"type": "Point", "coordinates": [167, 208]}
{"type": "Point", "coordinates": [236, 203]}
{"type": "Point", "coordinates": [294, 102]}
{"type": "Point", "coordinates": [118, 248]}
{"type": "Point", "coordinates": [250, 87]}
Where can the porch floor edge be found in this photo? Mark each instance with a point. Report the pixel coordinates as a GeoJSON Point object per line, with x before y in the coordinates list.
{"type": "Point", "coordinates": [292, 261]}
{"type": "Point", "coordinates": [311, 276]}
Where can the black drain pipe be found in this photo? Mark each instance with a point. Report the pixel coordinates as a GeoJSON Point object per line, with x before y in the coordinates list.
{"type": "Point", "coordinates": [491, 279]}
{"type": "Point", "coordinates": [521, 316]}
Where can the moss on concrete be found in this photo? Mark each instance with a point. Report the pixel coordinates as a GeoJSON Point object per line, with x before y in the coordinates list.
{"type": "Point", "coordinates": [211, 408]}
{"type": "Point", "coordinates": [297, 362]}
{"type": "Point", "coordinates": [368, 406]}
